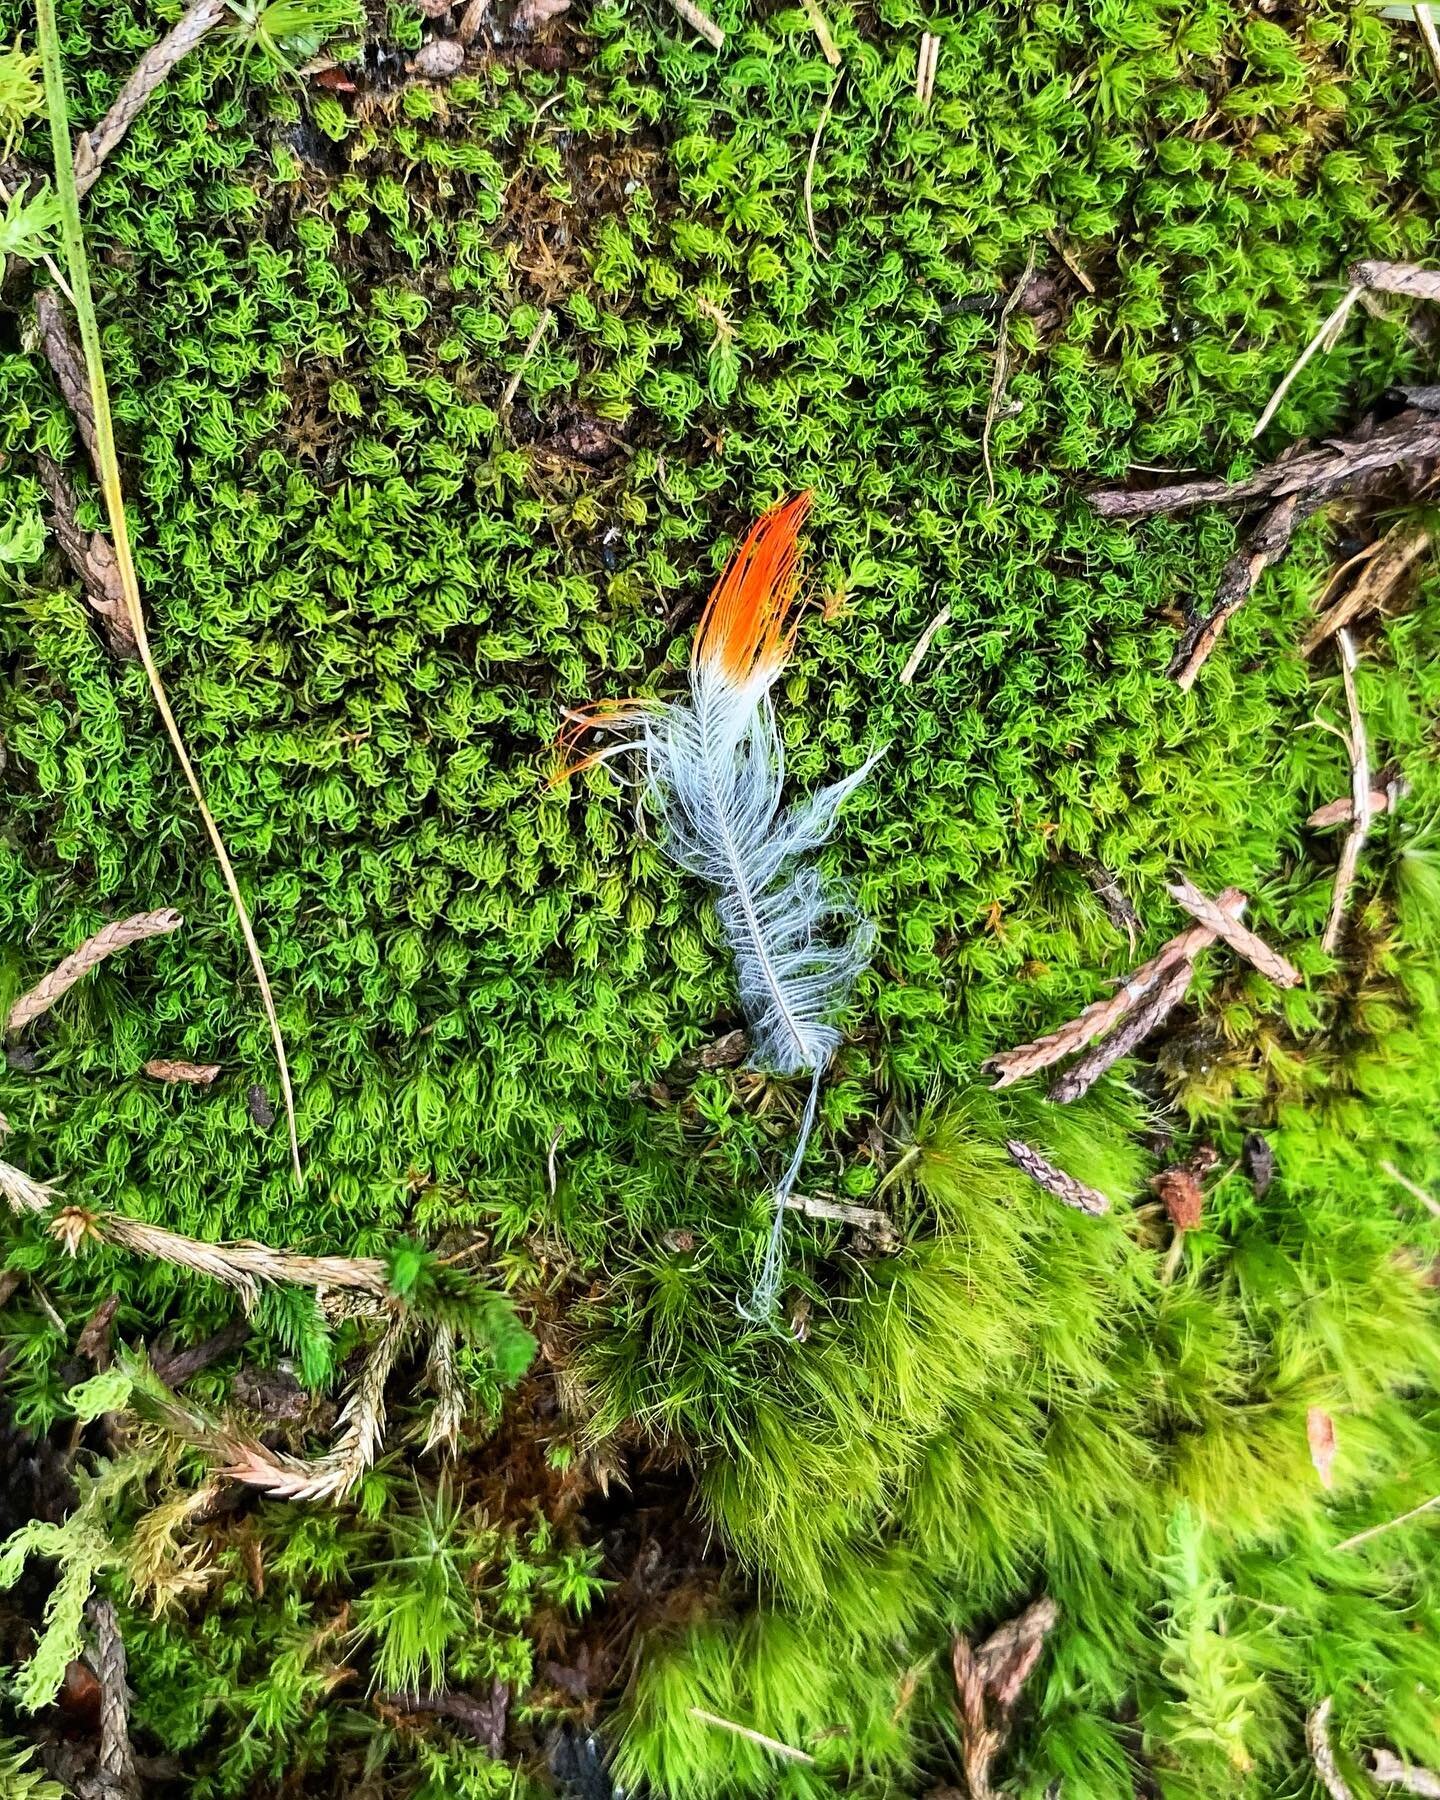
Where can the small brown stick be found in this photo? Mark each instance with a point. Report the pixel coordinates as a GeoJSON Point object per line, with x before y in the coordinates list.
{"type": "Point", "coordinates": [107, 1659]}
{"type": "Point", "coordinates": [152, 69]}
{"type": "Point", "coordinates": [1338, 466]}
{"type": "Point", "coordinates": [700, 22]}
{"type": "Point", "coordinates": [67, 364]}
{"type": "Point", "coordinates": [92, 556]}
{"type": "Point", "coordinates": [242, 1266]}
{"type": "Point", "coordinates": [1429, 37]}
{"type": "Point", "coordinates": [1401, 547]}
{"type": "Point", "coordinates": [926, 64]}
{"type": "Point", "coordinates": [809, 185]}
{"type": "Point", "coordinates": [926, 638]}
{"type": "Point", "coordinates": [512, 386]}
{"type": "Point", "coordinates": [787, 1751]}
{"type": "Point", "coordinates": [93, 951]}
{"type": "Point", "coordinates": [839, 1212]}
{"type": "Point", "coordinates": [1413, 1188]}
{"type": "Point", "coordinates": [1268, 543]}
{"type": "Point", "coordinates": [1083, 1075]}
{"type": "Point", "coordinates": [1100, 1015]}
{"type": "Point", "coordinates": [1055, 1181]}
{"type": "Point", "coordinates": [1057, 244]}
{"type": "Point", "coordinates": [821, 28]}
{"type": "Point", "coordinates": [1239, 937]}
{"type": "Point", "coordinates": [1360, 797]}
{"type": "Point", "coordinates": [1385, 1765]}
{"type": "Point", "coordinates": [1002, 367]}
{"type": "Point", "coordinates": [1363, 1537]}
{"type": "Point", "coordinates": [1317, 1736]}
{"type": "Point", "coordinates": [162, 1068]}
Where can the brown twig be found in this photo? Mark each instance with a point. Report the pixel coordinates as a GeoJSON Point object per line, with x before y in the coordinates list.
{"type": "Point", "coordinates": [176, 1367]}
{"type": "Point", "coordinates": [1267, 545]}
{"type": "Point", "coordinates": [162, 1068]}
{"type": "Point", "coordinates": [700, 22]}
{"type": "Point", "coordinates": [1317, 1736]}
{"type": "Point", "coordinates": [1127, 1036]}
{"type": "Point", "coordinates": [92, 556]}
{"type": "Point", "coordinates": [107, 1659]}
{"type": "Point", "coordinates": [152, 69]}
{"type": "Point", "coordinates": [1002, 367]}
{"type": "Point", "coordinates": [1240, 938]}
{"type": "Point", "coordinates": [1402, 546]}
{"type": "Point", "coordinates": [808, 189]}
{"type": "Point", "coordinates": [117, 936]}
{"type": "Point", "coordinates": [1055, 1181]}
{"type": "Point", "coordinates": [1360, 799]}
{"type": "Point", "coordinates": [1025, 1059]}
{"type": "Point", "coordinates": [484, 1720]}
{"type": "Point", "coordinates": [923, 643]}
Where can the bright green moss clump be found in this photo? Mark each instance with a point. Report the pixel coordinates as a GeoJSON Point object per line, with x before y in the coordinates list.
{"type": "Point", "coordinates": [375, 581]}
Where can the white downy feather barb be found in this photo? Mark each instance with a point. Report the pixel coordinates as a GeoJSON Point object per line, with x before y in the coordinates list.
{"type": "Point", "coordinates": [714, 770]}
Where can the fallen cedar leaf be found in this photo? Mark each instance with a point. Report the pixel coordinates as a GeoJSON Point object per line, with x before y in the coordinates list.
{"type": "Point", "coordinates": [1320, 1433]}
{"type": "Point", "coordinates": [1317, 1737]}
{"type": "Point", "coordinates": [161, 1068]}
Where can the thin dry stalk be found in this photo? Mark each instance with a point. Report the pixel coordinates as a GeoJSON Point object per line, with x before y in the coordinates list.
{"type": "Point", "coordinates": [1325, 338]}
{"type": "Point", "coordinates": [1385, 1765]}
{"type": "Point", "coordinates": [1364, 1537]}
{"type": "Point", "coordinates": [1025, 1059]}
{"type": "Point", "coordinates": [809, 186]}
{"type": "Point", "coordinates": [110, 938]}
{"type": "Point", "coordinates": [927, 637]}
{"type": "Point", "coordinates": [840, 1212]}
{"type": "Point", "coordinates": [700, 22]}
{"type": "Point", "coordinates": [1267, 545]}
{"type": "Point", "coordinates": [926, 63]}
{"type": "Point", "coordinates": [22, 1193]}
{"type": "Point", "coordinates": [1317, 1736]}
{"type": "Point", "coordinates": [152, 69]}
{"type": "Point", "coordinates": [1401, 547]}
{"type": "Point", "coordinates": [1055, 1181]}
{"type": "Point", "coordinates": [818, 24]}
{"type": "Point", "coordinates": [1002, 365]}
{"type": "Point", "coordinates": [1360, 799]}
{"type": "Point", "coordinates": [242, 1266]}
{"type": "Point", "coordinates": [1057, 244]}
{"type": "Point", "coordinates": [512, 386]}
{"type": "Point", "coordinates": [1082, 1075]}
{"type": "Point", "coordinates": [162, 1068]}
{"type": "Point", "coordinates": [107, 1659]}
{"type": "Point", "coordinates": [73, 238]}
{"type": "Point", "coordinates": [1240, 938]}
{"type": "Point", "coordinates": [787, 1751]}
{"type": "Point", "coordinates": [1413, 1188]}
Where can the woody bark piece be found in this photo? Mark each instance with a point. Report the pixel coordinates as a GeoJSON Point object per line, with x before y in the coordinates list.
{"type": "Point", "coordinates": [1239, 937]}
{"type": "Point", "coordinates": [1128, 1036]}
{"type": "Point", "coordinates": [1360, 799]}
{"type": "Point", "coordinates": [67, 364]}
{"type": "Point", "coordinates": [1397, 278]}
{"type": "Point", "coordinates": [92, 557]}
{"type": "Point", "coordinates": [1341, 465]}
{"type": "Point", "coordinates": [92, 952]}
{"type": "Point", "coordinates": [176, 1367]}
{"type": "Point", "coordinates": [1266, 546]}
{"type": "Point", "coordinates": [1402, 548]}
{"type": "Point", "coordinates": [147, 75]}
{"type": "Point", "coordinates": [484, 1720]}
{"type": "Point", "coordinates": [1056, 1181]}
{"type": "Point", "coordinates": [1101, 1015]}
{"type": "Point", "coordinates": [162, 1068]}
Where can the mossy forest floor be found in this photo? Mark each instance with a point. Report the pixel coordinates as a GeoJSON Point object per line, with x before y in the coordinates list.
{"type": "Point", "coordinates": [440, 405]}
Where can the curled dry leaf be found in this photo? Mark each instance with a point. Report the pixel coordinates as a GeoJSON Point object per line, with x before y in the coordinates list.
{"type": "Point", "coordinates": [162, 1068]}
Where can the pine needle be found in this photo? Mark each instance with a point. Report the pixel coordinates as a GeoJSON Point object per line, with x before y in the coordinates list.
{"type": "Point", "coordinates": [73, 239]}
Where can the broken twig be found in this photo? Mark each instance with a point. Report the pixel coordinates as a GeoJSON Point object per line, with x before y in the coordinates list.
{"type": "Point", "coordinates": [1267, 545]}
{"type": "Point", "coordinates": [1401, 547]}
{"type": "Point", "coordinates": [1055, 1181]}
{"type": "Point", "coordinates": [1386, 1766]}
{"type": "Point", "coordinates": [92, 952]}
{"type": "Point", "coordinates": [1364, 1537]}
{"type": "Point", "coordinates": [1360, 799]}
{"type": "Point", "coordinates": [1317, 1736]}
{"type": "Point", "coordinates": [1239, 937]}
{"type": "Point", "coordinates": [1127, 1036]}
{"type": "Point", "coordinates": [926, 64]}
{"type": "Point", "coordinates": [700, 22]}
{"type": "Point", "coordinates": [819, 25]}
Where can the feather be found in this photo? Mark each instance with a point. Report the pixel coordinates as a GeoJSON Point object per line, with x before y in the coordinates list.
{"type": "Point", "coordinates": [714, 768]}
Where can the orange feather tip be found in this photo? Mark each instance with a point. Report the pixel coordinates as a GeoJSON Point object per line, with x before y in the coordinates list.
{"type": "Point", "coordinates": [748, 624]}
{"type": "Point", "coordinates": [598, 715]}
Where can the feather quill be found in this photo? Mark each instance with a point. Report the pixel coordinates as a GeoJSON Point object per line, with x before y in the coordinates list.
{"type": "Point", "coordinates": [714, 769]}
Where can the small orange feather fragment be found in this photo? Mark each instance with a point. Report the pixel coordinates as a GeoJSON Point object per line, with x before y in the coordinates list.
{"type": "Point", "coordinates": [748, 623]}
